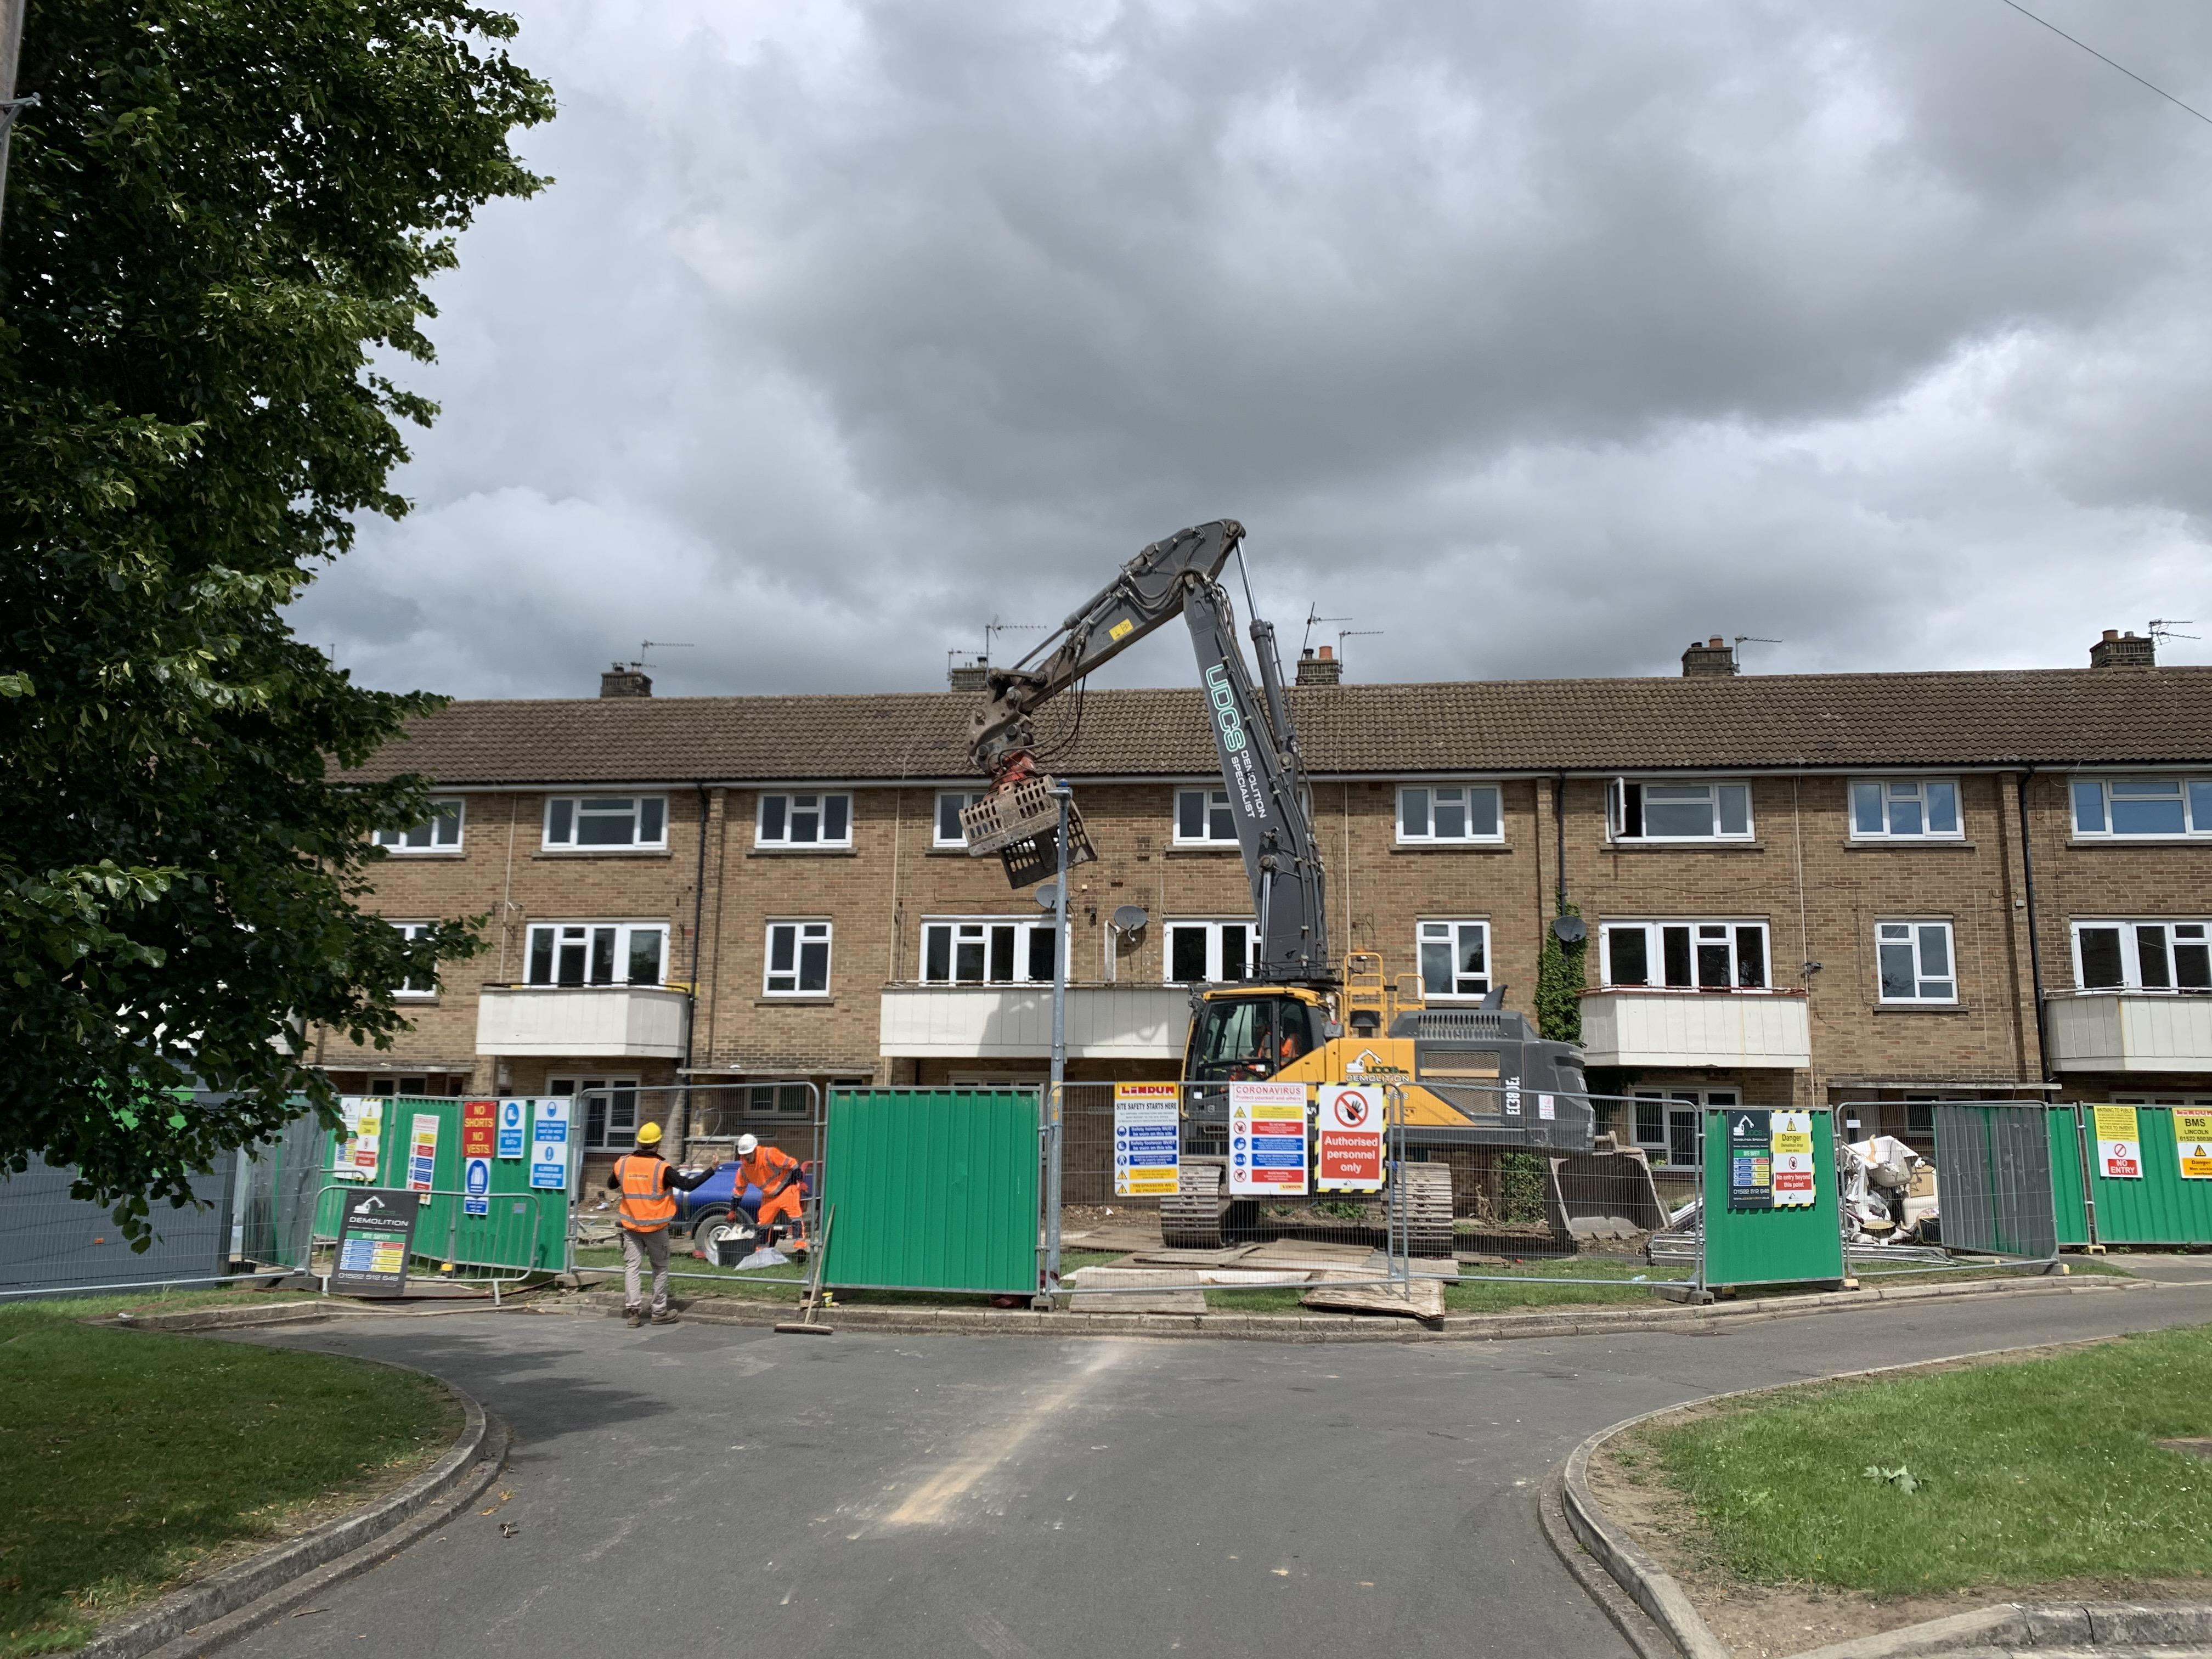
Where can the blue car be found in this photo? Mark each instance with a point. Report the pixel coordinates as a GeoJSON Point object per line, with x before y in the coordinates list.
{"type": "Point", "coordinates": [714, 1198]}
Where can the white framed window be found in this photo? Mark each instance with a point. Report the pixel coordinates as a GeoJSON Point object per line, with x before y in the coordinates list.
{"type": "Point", "coordinates": [787, 1100]}
{"type": "Point", "coordinates": [1671, 1127]}
{"type": "Point", "coordinates": [589, 821]}
{"type": "Point", "coordinates": [598, 952]}
{"type": "Point", "coordinates": [610, 1108]}
{"type": "Point", "coordinates": [1455, 959]}
{"type": "Point", "coordinates": [440, 832]}
{"type": "Point", "coordinates": [412, 990]}
{"type": "Point", "coordinates": [950, 804]}
{"type": "Point", "coordinates": [1687, 955]}
{"type": "Point", "coordinates": [1204, 818]}
{"type": "Point", "coordinates": [1679, 811]}
{"type": "Point", "coordinates": [1433, 814]}
{"type": "Point", "coordinates": [809, 820]}
{"type": "Point", "coordinates": [1209, 952]}
{"type": "Point", "coordinates": [1915, 962]}
{"type": "Point", "coordinates": [986, 950]}
{"type": "Point", "coordinates": [798, 959]}
{"type": "Point", "coordinates": [1904, 809]}
{"type": "Point", "coordinates": [2126, 808]}
{"type": "Point", "coordinates": [2143, 956]}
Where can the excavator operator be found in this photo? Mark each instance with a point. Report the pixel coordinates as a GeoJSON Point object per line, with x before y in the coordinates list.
{"type": "Point", "coordinates": [768, 1189]}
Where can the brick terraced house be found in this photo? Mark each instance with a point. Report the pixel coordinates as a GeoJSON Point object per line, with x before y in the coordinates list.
{"type": "Point", "coordinates": [1808, 889]}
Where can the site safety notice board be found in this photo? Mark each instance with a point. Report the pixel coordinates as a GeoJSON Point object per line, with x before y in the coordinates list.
{"type": "Point", "coordinates": [1770, 1211]}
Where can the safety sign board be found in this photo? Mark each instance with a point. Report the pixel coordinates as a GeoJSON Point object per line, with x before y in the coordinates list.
{"type": "Point", "coordinates": [511, 1127]}
{"type": "Point", "coordinates": [375, 1234]}
{"type": "Point", "coordinates": [1547, 1107]}
{"type": "Point", "coordinates": [477, 1117]}
{"type": "Point", "coordinates": [1751, 1160]}
{"type": "Point", "coordinates": [548, 1144]}
{"type": "Point", "coordinates": [1268, 1139]}
{"type": "Point", "coordinates": [475, 1186]}
{"type": "Point", "coordinates": [2119, 1147]}
{"type": "Point", "coordinates": [2192, 1140]}
{"type": "Point", "coordinates": [1792, 1142]}
{"type": "Point", "coordinates": [1349, 1155]}
{"type": "Point", "coordinates": [362, 1145]}
{"type": "Point", "coordinates": [1148, 1139]}
{"type": "Point", "coordinates": [423, 1153]}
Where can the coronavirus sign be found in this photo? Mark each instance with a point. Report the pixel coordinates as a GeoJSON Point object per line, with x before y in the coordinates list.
{"type": "Point", "coordinates": [1268, 1139]}
{"type": "Point", "coordinates": [1349, 1153]}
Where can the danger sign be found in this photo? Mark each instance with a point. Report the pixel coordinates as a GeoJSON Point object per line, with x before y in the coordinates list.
{"type": "Point", "coordinates": [2192, 1141]}
{"type": "Point", "coordinates": [1351, 1134]}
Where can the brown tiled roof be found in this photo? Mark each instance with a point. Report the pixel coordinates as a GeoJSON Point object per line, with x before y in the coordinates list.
{"type": "Point", "coordinates": [2044, 716]}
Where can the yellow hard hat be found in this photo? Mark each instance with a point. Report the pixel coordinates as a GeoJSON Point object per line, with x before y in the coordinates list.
{"type": "Point", "coordinates": [649, 1135]}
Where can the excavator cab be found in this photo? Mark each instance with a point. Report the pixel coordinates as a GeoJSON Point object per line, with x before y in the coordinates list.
{"type": "Point", "coordinates": [1249, 1037]}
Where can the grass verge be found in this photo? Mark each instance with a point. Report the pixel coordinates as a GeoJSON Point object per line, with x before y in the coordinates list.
{"type": "Point", "coordinates": [127, 1460]}
{"type": "Point", "coordinates": [2022, 1472]}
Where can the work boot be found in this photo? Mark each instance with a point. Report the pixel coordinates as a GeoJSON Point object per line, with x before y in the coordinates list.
{"type": "Point", "coordinates": [664, 1316]}
{"type": "Point", "coordinates": [633, 1317]}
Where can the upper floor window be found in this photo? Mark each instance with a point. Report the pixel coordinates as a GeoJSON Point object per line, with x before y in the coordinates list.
{"type": "Point", "coordinates": [598, 952]}
{"type": "Point", "coordinates": [987, 950]}
{"type": "Point", "coordinates": [440, 832]}
{"type": "Point", "coordinates": [950, 804]}
{"type": "Point", "coordinates": [1434, 812]}
{"type": "Point", "coordinates": [1916, 962]}
{"type": "Point", "coordinates": [1904, 808]}
{"type": "Point", "coordinates": [1689, 956]}
{"type": "Point", "coordinates": [580, 821]}
{"type": "Point", "coordinates": [1455, 959]}
{"type": "Point", "coordinates": [798, 959]}
{"type": "Point", "coordinates": [816, 820]}
{"type": "Point", "coordinates": [2143, 956]}
{"type": "Point", "coordinates": [412, 987]}
{"type": "Point", "coordinates": [1203, 816]}
{"type": "Point", "coordinates": [1681, 811]}
{"type": "Point", "coordinates": [1210, 952]}
{"type": "Point", "coordinates": [2143, 806]}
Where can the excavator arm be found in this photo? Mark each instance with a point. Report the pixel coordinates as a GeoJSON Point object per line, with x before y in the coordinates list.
{"type": "Point", "coordinates": [1254, 742]}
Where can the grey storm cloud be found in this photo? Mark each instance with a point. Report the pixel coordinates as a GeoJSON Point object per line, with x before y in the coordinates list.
{"type": "Point", "coordinates": [1540, 339]}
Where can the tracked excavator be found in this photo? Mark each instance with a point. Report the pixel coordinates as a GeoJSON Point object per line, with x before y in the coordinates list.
{"type": "Point", "coordinates": [1469, 1082]}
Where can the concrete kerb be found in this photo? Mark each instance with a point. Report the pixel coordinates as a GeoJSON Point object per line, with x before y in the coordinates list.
{"type": "Point", "coordinates": [1578, 1321]}
{"type": "Point", "coordinates": [203, 1616]}
{"type": "Point", "coordinates": [1581, 1525]}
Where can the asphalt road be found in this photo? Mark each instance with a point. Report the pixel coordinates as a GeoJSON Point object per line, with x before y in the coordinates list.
{"type": "Point", "coordinates": [706, 1490]}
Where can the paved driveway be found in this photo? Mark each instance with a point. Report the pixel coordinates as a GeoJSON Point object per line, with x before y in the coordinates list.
{"type": "Point", "coordinates": [707, 1489]}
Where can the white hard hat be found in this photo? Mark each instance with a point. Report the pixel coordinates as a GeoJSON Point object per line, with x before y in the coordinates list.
{"type": "Point", "coordinates": [748, 1145]}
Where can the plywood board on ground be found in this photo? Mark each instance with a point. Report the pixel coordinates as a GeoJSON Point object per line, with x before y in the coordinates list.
{"type": "Point", "coordinates": [1426, 1300]}
{"type": "Point", "coordinates": [1135, 1290]}
{"type": "Point", "coordinates": [1305, 1253]}
{"type": "Point", "coordinates": [1220, 1257]}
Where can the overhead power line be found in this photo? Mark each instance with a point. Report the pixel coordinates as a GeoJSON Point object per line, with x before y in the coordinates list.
{"type": "Point", "coordinates": [2101, 58]}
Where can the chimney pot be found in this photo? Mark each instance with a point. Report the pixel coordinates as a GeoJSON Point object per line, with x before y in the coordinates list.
{"type": "Point", "coordinates": [1327, 652]}
{"type": "Point", "coordinates": [1714, 643]}
{"type": "Point", "coordinates": [625, 681]}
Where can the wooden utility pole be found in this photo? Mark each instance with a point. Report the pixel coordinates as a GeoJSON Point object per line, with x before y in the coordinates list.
{"type": "Point", "coordinates": [11, 46]}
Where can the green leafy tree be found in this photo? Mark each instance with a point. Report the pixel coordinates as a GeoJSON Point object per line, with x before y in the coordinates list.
{"type": "Point", "coordinates": [221, 219]}
{"type": "Point", "coordinates": [1559, 984]}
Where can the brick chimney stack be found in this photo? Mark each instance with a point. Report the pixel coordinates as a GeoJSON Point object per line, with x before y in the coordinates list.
{"type": "Point", "coordinates": [1321, 666]}
{"type": "Point", "coordinates": [967, 676]}
{"type": "Point", "coordinates": [2118, 650]}
{"type": "Point", "coordinates": [625, 680]}
{"type": "Point", "coordinates": [1716, 657]}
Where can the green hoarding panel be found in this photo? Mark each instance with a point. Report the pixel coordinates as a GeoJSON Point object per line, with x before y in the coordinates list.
{"type": "Point", "coordinates": [1772, 1247]}
{"type": "Point", "coordinates": [931, 1189]}
{"type": "Point", "coordinates": [2066, 1184]}
{"type": "Point", "coordinates": [2159, 1207]}
{"type": "Point", "coordinates": [523, 1231]}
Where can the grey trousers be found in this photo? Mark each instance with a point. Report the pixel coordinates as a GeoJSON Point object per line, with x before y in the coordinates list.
{"type": "Point", "coordinates": [638, 1249]}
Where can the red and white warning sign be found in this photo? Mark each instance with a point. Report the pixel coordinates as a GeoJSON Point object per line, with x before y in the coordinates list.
{"type": "Point", "coordinates": [2119, 1144]}
{"type": "Point", "coordinates": [1793, 1159]}
{"type": "Point", "coordinates": [1351, 1140]}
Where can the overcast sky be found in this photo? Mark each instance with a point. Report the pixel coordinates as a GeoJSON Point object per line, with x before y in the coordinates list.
{"type": "Point", "coordinates": [1543, 338]}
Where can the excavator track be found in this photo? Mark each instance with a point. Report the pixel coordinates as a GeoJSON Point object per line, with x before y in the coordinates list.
{"type": "Point", "coordinates": [1190, 1219]}
{"type": "Point", "coordinates": [1429, 1207]}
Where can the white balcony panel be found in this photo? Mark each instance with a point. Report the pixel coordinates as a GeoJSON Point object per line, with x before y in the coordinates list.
{"type": "Point", "coordinates": [1014, 1022]}
{"type": "Point", "coordinates": [2117, 1031]}
{"type": "Point", "coordinates": [610, 1022]}
{"type": "Point", "coordinates": [1657, 1028]}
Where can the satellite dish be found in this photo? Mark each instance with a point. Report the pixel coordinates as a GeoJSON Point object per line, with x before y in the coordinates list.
{"type": "Point", "coordinates": [1048, 896]}
{"type": "Point", "coordinates": [1127, 918]}
{"type": "Point", "coordinates": [1569, 930]}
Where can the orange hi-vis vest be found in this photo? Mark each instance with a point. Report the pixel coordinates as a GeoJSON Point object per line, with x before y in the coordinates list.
{"type": "Point", "coordinates": [647, 1205]}
{"type": "Point", "coordinates": [766, 1168]}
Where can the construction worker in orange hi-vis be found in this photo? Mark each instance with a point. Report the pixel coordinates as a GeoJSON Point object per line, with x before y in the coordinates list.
{"type": "Point", "coordinates": [773, 1176]}
{"type": "Point", "coordinates": [649, 1188]}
